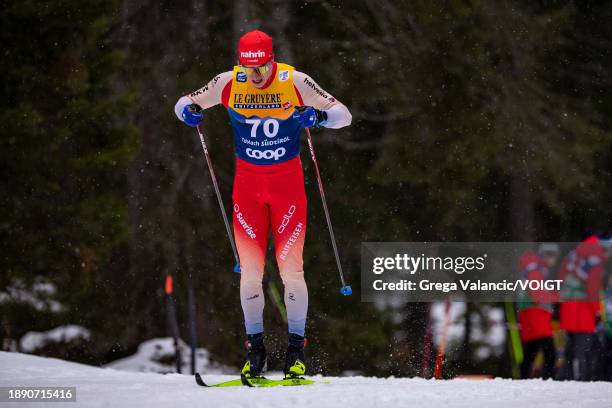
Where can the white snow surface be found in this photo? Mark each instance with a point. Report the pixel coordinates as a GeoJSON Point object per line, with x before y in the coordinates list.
{"type": "Point", "coordinates": [103, 387]}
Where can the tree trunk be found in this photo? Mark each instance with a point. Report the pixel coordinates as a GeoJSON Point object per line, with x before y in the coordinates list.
{"type": "Point", "coordinates": [522, 213]}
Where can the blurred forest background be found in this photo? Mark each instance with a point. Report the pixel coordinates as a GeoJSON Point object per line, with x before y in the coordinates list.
{"type": "Point", "coordinates": [472, 121]}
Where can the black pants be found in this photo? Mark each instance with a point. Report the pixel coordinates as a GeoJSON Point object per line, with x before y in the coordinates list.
{"type": "Point", "coordinates": [530, 351]}
{"type": "Point", "coordinates": [580, 356]}
{"type": "Point", "coordinates": [608, 359]}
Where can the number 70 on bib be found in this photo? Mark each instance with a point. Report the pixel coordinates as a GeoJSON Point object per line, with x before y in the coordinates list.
{"type": "Point", "coordinates": [269, 126]}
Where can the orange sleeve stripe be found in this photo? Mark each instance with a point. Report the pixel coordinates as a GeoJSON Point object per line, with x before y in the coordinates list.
{"type": "Point", "coordinates": [225, 94]}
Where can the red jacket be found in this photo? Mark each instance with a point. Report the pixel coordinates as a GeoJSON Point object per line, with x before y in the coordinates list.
{"type": "Point", "coordinates": [579, 308]}
{"type": "Point", "coordinates": [535, 313]}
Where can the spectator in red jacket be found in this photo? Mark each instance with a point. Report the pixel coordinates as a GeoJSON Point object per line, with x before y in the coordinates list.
{"type": "Point", "coordinates": [607, 328]}
{"type": "Point", "coordinates": [582, 272]}
{"type": "Point", "coordinates": [535, 310]}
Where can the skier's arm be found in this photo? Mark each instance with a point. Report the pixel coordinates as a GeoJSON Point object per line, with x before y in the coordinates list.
{"type": "Point", "coordinates": [312, 94]}
{"type": "Point", "coordinates": [593, 283]}
{"type": "Point", "coordinates": [207, 96]}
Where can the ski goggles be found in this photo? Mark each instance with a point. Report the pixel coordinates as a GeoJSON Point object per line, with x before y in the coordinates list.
{"type": "Point", "coordinates": [261, 70]}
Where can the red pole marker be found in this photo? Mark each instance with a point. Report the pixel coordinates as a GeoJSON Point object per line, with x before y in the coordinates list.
{"type": "Point", "coordinates": [442, 345]}
{"type": "Point", "coordinates": [168, 288]}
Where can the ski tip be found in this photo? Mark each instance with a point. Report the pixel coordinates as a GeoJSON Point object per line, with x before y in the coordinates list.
{"type": "Point", "coordinates": [346, 290]}
{"type": "Point", "coordinates": [237, 268]}
{"type": "Point", "coordinates": [199, 380]}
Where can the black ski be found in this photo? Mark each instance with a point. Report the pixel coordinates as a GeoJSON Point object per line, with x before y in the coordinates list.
{"type": "Point", "coordinates": [200, 381]}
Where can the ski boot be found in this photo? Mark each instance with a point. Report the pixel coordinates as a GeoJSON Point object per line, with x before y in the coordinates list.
{"type": "Point", "coordinates": [294, 362]}
{"type": "Point", "coordinates": [256, 359]}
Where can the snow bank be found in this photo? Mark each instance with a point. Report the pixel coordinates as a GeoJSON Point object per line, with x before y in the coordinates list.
{"type": "Point", "coordinates": [97, 387]}
{"type": "Point", "coordinates": [33, 341]}
{"type": "Point", "coordinates": [157, 356]}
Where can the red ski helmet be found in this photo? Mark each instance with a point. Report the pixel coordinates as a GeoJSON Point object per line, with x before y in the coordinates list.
{"type": "Point", "coordinates": [255, 49]}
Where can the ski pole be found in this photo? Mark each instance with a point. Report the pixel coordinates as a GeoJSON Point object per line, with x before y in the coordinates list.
{"type": "Point", "coordinates": [425, 362]}
{"type": "Point", "coordinates": [218, 193]}
{"type": "Point", "coordinates": [277, 299]}
{"type": "Point", "coordinates": [346, 290]}
{"type": "Point", "coordinates": [443, 339]}
{"type": "Point", "coordinates": [193, 332]}
{"type": "Point", "coordinates": [172, 322]}
{"type": "Point", "coordinates": [515, 345]}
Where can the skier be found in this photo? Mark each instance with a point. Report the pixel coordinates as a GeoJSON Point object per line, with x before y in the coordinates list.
{"type": "Point", "coordinates": [535, 309]}
{"type": "Point", "coordinates": [268, 104]}
{"type": "Point", "coordinates": [604, 326]}
{"type": "Point", "coordinates": [582, 273]}
{"type": "Point", "coordinates": [607, 329]}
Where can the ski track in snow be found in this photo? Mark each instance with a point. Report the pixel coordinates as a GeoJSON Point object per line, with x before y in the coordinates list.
{"type": "Point", "coordinates": [98, 387]}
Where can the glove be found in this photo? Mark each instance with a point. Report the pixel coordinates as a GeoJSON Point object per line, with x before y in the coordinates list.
{"type": "Point", "coordinates": [309, 116]}
{"type": "Point", "coordinates": [193, 115]}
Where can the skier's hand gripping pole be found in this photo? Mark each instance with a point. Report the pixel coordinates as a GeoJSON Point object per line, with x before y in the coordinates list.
{"type": "Point", "coordinates": [218, 193]}
{"type": "Point", "coordinates": [346, 290]}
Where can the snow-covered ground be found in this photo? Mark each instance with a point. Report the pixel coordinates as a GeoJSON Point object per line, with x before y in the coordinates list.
{"type": "Point", "coordinates": [104, 387]}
